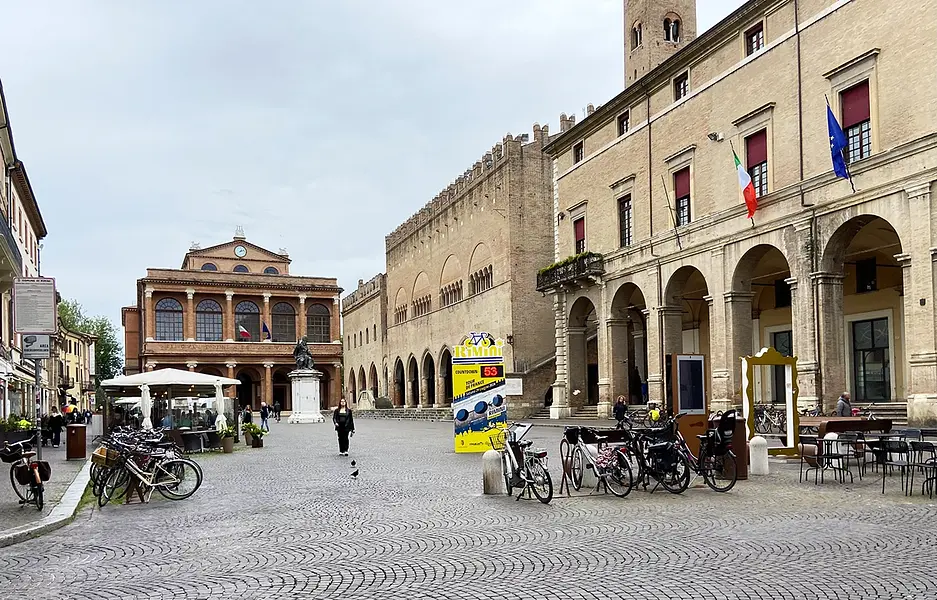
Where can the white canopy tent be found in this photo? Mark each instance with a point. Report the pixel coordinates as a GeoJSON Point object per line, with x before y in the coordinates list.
{"type": "Point", "coordinates": [168, 383]}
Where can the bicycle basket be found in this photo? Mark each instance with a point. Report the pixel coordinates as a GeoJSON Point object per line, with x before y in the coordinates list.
{"type": "Point", "coordinates": [23, 475]}
{"type": "Point", "coordinates": [45, 470]}
{"type": "Point", "coordinates": [497, 439]}
{"type": "Point", "coordinates": [10, 455]}
{"type": "Point", "coordinates": [105, 457]}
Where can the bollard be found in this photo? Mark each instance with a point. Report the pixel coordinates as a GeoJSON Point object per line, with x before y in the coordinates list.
{"type": "Point", "coordinates": [758, 455]}
{"type": "Point", "coordinates": [492, 477]}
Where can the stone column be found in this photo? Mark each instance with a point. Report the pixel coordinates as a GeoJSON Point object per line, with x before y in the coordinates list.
{"type": "Point", "coordinates": [654, 341]}
{"type": "Point", "coordinates": [232, 391]}
{"type": "Point", "coordinates": [335, 391]}
{"type": "Point", "coordinates": [727, 377]}
{"type": "Point", "coordinates": [639, 353]}
{"type": "Point", "coordinates": [301, 323]}
{"type": "Point", "coordinates": [803, 318]}
{"type": "Point", "coordinates": [229, 316]}
{"type": "Point", "coordinates": [335, 317]}
{"type": "Point", "coordinates": [189, 320]}
{"type": "Point", "coordinates": [409, 401]}
{"type": "Point", "coordinates": [425, 400]}
{"type": "Point", "coordinates": [149, 317]}
{"type": "Point", "coordinates": [268, 383]}
{"type": "Point", "coordinates": [671, 341]}
{"type": "Point", "coordinates": [191, 365]}
{"type": "Point", "coordinates": [560, 407]}
{"type": "Point", "coordinates": [441, 378]}
{"type": "Point", "coordinates": [619, 357]}
{"type": "Point", "coordinates": [832, 341]}
{"type": "Point", "coordinates": [265, 316]}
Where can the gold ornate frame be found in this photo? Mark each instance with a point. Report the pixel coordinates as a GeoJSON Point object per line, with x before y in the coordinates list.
{"type": "Point", "coordinates": [768, 357]}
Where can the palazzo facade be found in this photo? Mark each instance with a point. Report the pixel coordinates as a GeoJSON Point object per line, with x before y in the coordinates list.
{"type": "Point", "coordinates": [235, 310]}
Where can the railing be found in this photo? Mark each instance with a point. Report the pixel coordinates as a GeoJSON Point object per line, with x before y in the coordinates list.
{"type": "Point", "coordinates": [87, 385]}
{"type": "Point", "coordinates": [573, 269]}
{"type": "Point", "coordinates": [10, 242]}
{"type": "Point", "coordinates": [66, 383]}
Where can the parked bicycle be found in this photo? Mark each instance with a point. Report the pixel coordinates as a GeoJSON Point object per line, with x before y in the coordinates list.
{"type": "Point", "coordinates": [522, 466]}
{"type": "Point", "coordinates": [716, 463]}
{"type": "Point", "coordinates": [610, 466]}
{"type": "Point", "coordinates": [27, 476]}
{"type": "Point", "coordinates": [770, 419]}
{"type": "Point", "coordinates": [654, 454]}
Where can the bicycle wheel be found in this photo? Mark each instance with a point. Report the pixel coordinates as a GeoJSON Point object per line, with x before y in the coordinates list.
{"type": "Point", "coordinates": [506, 473]}
{"type": "Point", "coordinates": [118, 480]}
{"type": "Point", "coordinates": [677, 480]}
{"type": "Point", "coordinates": [177, 479]}
{"type": "Point", "coordinates": [38, 500]}
{"type": "Point", "coordinates": [619, 478]}
{"type": "Point", "coordinates": [577, 467]}
{"type": "Point", "coordinates": [541, 483]}
{"type": "Point", "coordinates": [635, 465]}
{"type": "Point", "coordinates": [98, 487]}
{"type": "Point", "coordinates": [782, 423]}
{"type": "Point", "coordinates": [21, 490]}
{"type": "Point", "coordinates": [761, 424]}
{"type": "Point", "coordinates": [721, 472]}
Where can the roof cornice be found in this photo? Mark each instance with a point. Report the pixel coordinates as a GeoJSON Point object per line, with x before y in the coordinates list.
{"type": "Point", "coordinates": [28, 198]}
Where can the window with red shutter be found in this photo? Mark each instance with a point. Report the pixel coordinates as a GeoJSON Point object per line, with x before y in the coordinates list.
{"type": "Point", "coordinates": [756, 161]}
{"type": "Point", "coordinates": [681, 186]}
{"type": "Point", "coordinates": [857, 124]}
{"type": "Point", "coordinates": [579, 232]}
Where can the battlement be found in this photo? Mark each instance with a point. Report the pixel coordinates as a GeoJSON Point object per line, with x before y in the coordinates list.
{"type": "Point", "coordinates": [365, 292]}
{"type": "Point", "coordinates": [489, 163]}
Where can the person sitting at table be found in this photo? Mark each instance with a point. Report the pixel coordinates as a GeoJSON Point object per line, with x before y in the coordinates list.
{"type": "Point", "coordinates": [843, 407]}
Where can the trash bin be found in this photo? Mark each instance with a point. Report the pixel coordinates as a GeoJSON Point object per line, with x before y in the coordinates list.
{"type": "Point", "coordinates": [75, 442]}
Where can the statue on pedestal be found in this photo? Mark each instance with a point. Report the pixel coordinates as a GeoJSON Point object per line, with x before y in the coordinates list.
{"type": "Point", "coordinates": [302, 355]}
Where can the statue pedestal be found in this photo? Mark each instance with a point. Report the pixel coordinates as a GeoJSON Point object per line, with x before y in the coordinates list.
{"type": "Point", "coordinates": [305, 397]}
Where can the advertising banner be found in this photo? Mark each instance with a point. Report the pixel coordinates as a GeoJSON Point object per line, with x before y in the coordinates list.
{"type": "Point", "coordinates": [478, 390]}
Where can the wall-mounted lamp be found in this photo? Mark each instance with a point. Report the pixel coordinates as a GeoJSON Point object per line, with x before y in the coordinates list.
{"type": "Point", "coordinates": [561, 215]}
{"type": "Point", "coordinates": [716, 136]}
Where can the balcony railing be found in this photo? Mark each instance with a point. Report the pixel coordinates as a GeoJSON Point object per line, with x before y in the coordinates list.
{"type": "Point", "coordinates": [66, 383]}
{"type": "Point", "coordinates": [9, 245]}
{"type": "Point", "coordinates": [575, 269]}
{"type": "Point", "coordinates": [87, 385]}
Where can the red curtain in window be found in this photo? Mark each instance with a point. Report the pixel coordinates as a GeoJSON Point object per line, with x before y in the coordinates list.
{"type": "Point", "coordinates": [681, 182]}
{"type": "Point", "coordinates": [855, 104]}
{"type": "Point", "coordinates": [756, 149]}
{"type": "Point", "coordinates": [579, 229]}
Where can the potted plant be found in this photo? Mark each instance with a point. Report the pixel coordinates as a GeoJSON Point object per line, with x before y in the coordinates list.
{"type": "Point", "coordinates": [256, 434]}
{"type": "Point", "coordinates": [227, 440]}
{"type": "Point", "coordinates": [15, 429]}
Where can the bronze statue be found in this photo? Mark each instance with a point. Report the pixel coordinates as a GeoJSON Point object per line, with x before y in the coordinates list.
{"type": "Point", "coordinates": [302, 355]}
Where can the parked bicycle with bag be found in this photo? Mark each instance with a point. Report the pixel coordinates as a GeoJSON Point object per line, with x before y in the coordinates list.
{"type": "Point", "coordinates": [522, 466]}
{"type": "Point", "coordinates": [27, 476]}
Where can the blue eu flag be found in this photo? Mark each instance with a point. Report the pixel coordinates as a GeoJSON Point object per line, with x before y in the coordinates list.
{"type": "Point", "coordinates": [838, 142]}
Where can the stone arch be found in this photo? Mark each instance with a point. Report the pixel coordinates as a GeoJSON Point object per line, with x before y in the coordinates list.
{"type": "Point", "coordinates": [282, 388]}
{"type": "Point", "coordinates": [481, 270]}
{"type": "Point", "coordinates": [445, 372]}
{"type": "Point", "coordinates": [428, 379]}
{"type": "Point", "coordinates": [673, 27]}
{"type": "Point", "coordinates": [413, 381]}
{"type": "Point", "coordinates": [352, 392]}
{"type": "Point", "coordinates": [401, 306]}
{"type": "Point", "coordinates": [860, 295]}
{"type": "Point", "coordinates": [481, 258]}
{"type": "Point", "coordinates": [372, 381]}
{"type": "Point", "coordinates": [627, 329]}
{"type": "Point", "coordinates": [248, 391]}
{"type": "Point", "coordinates": [400, 383]}
{"type": "Point", "coordinates": [451, 281]}
{"type": "Point", "coordinates": [422, 294]}
{"type": "Point", "coordinates": [582, 353]}
{"type": "Point", "coordinates": [686, 320]}
{"type": "Point", "coordinates": [362, 381]}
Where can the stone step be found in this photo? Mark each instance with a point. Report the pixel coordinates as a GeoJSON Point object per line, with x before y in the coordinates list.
{"type": "Point", "coordinates": [415, 414]}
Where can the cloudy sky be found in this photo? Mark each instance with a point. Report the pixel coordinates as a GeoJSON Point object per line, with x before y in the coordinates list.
{"type": "Point", "coordinates": [317, 125]}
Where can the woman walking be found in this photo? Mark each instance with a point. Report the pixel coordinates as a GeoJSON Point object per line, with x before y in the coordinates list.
{"type": "Point", "coordinates": [344, 425]}
{"type": "Point", "coordinates": [56, 422]}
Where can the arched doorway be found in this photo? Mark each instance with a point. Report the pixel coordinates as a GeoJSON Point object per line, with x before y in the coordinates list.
{"type": "Point", "coordinates": [428, 386]}
{"type": "Point", "coordinates": [861, 296]}
{"type": "Point", "coordinates": [372, 381]}
{"type": "Point", "coordinates": [362, 383]}
{"type": "Point", "coordinates": [352, 392]}
{"type": "Point", "coordinates": [325, 389]}
{"type": "Point", "coordinates": [758, 314]}
{"type": "Point", "coordinates": [582, 354]}
{"type": "Point", "coordinates": [246, 394]}
{"type": "Point", "coordinates": [282, 389]}
{"type": "Point", "coordinates": [413, 381]}
{"type": "Point", "coordinates": [686, 325]}
{"type": "Point", "coordinates": [627, 327]}
{"type": "Point", "coordinates": [400, 379]}
{"type": "Point", "coordinates": [445, 371]}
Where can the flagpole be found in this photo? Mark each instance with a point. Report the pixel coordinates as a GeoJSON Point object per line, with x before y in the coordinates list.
{"type": "Point", "coordinates": [732, 147]}
{"type": "Point", "coordinates": [673, 217]}
{"type": "Point", "coordinates": [845, 164]}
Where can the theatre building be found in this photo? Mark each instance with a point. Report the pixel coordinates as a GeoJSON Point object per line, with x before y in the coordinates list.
{"type": "Point", "coordinates": [235, 310]}
{"type": "Point", "coordinates": [664, 258]}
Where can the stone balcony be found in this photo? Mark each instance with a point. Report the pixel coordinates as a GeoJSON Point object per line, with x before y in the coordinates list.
{"type": "Point", "coordinates": [579, 270]}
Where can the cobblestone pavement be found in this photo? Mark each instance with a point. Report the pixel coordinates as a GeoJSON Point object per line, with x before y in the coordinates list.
{"type": "Point", "coordinates": [288, 521]}
{"type": "Point", "coordinates": [63, 473]}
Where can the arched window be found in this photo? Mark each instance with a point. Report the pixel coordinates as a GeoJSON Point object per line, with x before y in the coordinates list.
{"type": "Point", "coordinates": [247, 321]}
{"type": "Point", "coordinates": [241, 269]}
{"type": "Point", "coordinates": [367, 336]}
{"type": "Point", "coordinates": [636, 35]}
{"type": "Point", "coordinates": [209, 267]}
{"type": "Point", "coordinates": [208, 321]}
{"type": "Point", "coordinates": [284, 322]}
{"type": "Point", "coordinates": [674, 31]}
{"type": "Point", "coordinates": [318, 324]}
{"type": "Point", "coordinates": [271, 271]}
{"type": "Point", "coordinates": [169, 320]}
{"type": "Point", "coordinates": [667, 30]}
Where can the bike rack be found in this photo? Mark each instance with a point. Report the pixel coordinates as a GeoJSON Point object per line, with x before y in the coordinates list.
{"type": "Point", "coordinates": [566, 457]}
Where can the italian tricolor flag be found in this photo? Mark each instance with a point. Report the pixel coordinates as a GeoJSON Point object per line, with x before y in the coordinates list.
{"type": "Point", "coordinates": [748, 188]}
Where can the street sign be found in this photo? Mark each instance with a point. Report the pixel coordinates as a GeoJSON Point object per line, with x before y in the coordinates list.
{"type": "Point", "coordinates": [34, 306]}
{"type": "Point", "coordinates": [37, 346]}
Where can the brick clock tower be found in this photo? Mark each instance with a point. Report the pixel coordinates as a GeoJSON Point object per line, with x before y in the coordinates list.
{"type": "Point", "coordinates": [654, 31]}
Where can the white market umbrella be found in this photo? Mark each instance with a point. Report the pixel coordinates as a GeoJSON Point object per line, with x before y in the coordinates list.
{"type": "Point", "coordinates": [221, 422]}
{"type": "Point", "coordinates": [146, 406]}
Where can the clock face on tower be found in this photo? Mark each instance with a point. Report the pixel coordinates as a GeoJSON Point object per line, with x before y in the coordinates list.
{"type": "Point", "coordinates": [240, 251]}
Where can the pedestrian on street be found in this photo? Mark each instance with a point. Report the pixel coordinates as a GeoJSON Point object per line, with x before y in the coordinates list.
{"type": "Point", "coordinates": [620, 411]}
{"type": "Point", "coordinates": [344, 426]}
{"type": "Point", "coordinates": [247, 416]}
{"type": "Point", "coordinates": [843, 406]}
{"type": "Point", "coordinates": [276, 410]}
{"type": "Point", "coordinates": [264, 415]}
{"type": "Point", "coordinates": [56, 422]}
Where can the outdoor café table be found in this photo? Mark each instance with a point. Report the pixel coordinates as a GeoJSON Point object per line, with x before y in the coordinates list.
{"type": "Point", "coordinates": [845, 424]}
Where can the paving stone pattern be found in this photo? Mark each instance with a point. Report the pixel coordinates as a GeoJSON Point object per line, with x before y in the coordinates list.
{"type": "Point", "coordinates": [63, 473]}
{"type": "Point", "coordinates": [288, 521]}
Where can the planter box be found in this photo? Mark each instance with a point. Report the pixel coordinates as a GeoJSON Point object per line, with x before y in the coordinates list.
{"type": "Point", "coordinates": [227, 445]}
{"type": "Point", "coordinates": [257, 442]}
{"type": "Point", "coordinates": [14, 436]}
